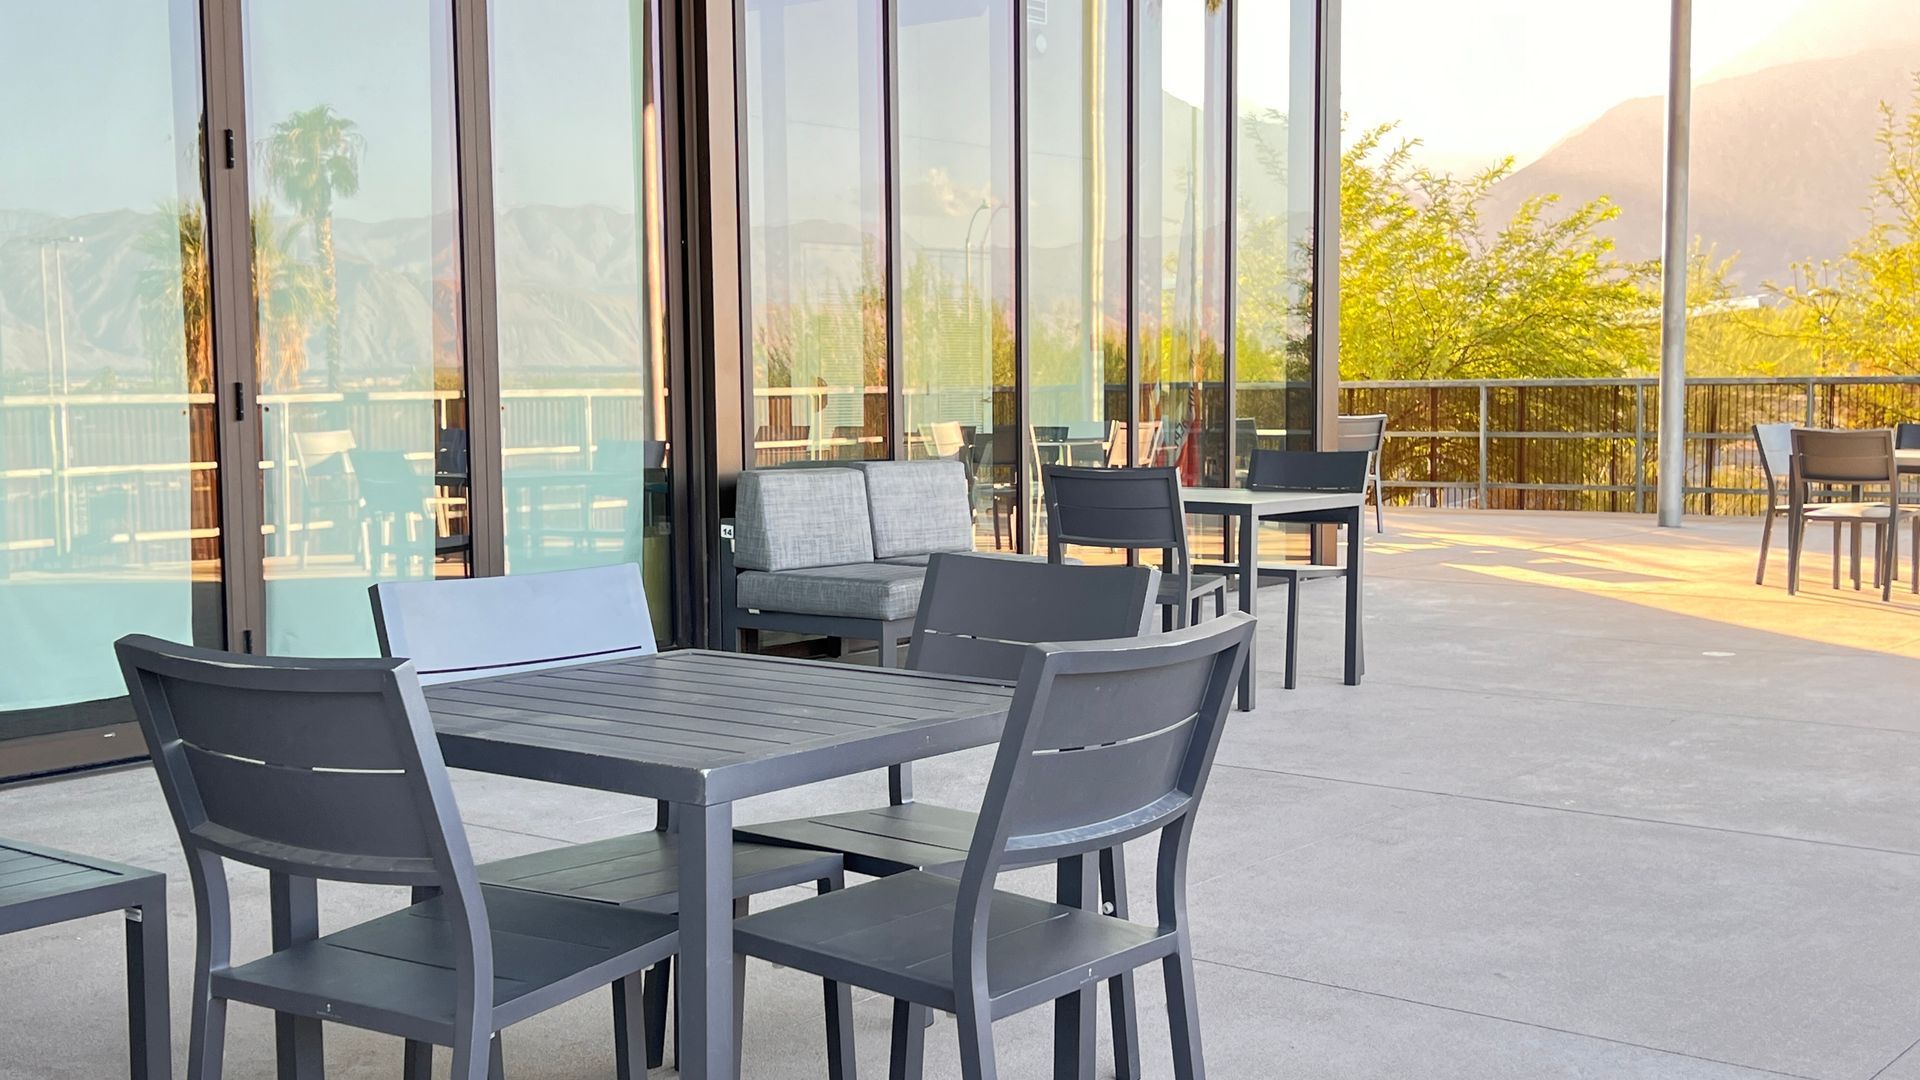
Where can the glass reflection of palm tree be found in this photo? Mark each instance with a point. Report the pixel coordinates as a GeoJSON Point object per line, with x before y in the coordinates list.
{"type": "Point", "coordinates": [174, 299]}
{"type": "Point", "coordinates": [312, 157]}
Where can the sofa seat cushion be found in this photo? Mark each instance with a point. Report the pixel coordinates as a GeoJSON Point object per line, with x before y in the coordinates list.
{"type": "Point", "coordinates": [869, 590]}
{"type": "Point", "coordinates": [918, 507]}
{"type": "Point", "coordinates": [922, 560]}
{"type": "Point", "coordinates": [791, 519]}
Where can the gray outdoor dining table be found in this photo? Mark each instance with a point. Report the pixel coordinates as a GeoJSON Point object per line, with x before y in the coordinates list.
{"type": "Point", "coordinates": [698, 730]}
{"type": "Point", "coordinates": [1252, 507]}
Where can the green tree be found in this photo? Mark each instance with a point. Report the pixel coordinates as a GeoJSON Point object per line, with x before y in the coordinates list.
{"type": "Point", "coordinates": [1861, 313]}
{"type": "Point", "coordinates": [1429, 291]}
{"type": "Point", "coordinates": [313, 157]}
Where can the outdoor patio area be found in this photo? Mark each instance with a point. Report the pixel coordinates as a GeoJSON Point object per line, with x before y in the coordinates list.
{"type": "Point", "coordinates": [1601, 808]}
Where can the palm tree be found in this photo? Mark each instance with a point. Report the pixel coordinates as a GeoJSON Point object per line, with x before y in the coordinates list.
{"type": "Point", "coordinates": [289, 295]}
{"type": "Point", "coordinates": [173, 295]}
{"type": "Point", "coordinates": [312, 157]}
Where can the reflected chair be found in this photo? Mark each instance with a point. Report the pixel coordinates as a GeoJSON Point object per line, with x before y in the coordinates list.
{"type": "Point", "coordinates": [1852, 461]}
{"type": "Point", "coordinates": [394, 501]}
{"type": "Point", "coordinates": [328, 495]}
{"type": "Point", "coordinates": [1775, 445]}
{"type": "Point", "coordinates": [329, 770]}
{"type": "Point", "coordinates": [1303, 470]}
{"type": "Point", "coordinates": [1145, 439]}
{"type": "Point", "coordinates": [470, 628]}
{"type": "Point", "coordinates": [976, 616]}
{"type": "Point", "coordinates": [1106, 742]}
{"type": "Point", "coordinates": [1132, 510]}
{"type": "Point", "coordinates": [1368, 433]}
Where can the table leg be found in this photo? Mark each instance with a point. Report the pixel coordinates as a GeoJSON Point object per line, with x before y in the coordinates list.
{"type": "Point", "coordinates": [1354, 633]}
{"type": "Point", "coordinates": [707, 1050]}
{"type": "Point", "coordinates": [295, 904]}
{"type": "Point", "coordinates": [1249, 588]}
{"type": "Point", "coordinates": [149, 1045]}
{"type": "Point", "coordinates": [1074, 1016]}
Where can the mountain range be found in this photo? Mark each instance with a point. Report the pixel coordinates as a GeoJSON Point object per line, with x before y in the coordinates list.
{"type": "Point", "coordinates": [1784, 150]}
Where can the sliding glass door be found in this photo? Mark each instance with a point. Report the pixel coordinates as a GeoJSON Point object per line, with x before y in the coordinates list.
{"type": "Point", "coordinates": [109, 511]}
{"type": "Point", "coordinates": [357, 289]}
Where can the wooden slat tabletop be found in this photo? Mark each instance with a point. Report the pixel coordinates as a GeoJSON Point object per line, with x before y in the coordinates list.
{"type": "Point", "coordinates": [706, 727]}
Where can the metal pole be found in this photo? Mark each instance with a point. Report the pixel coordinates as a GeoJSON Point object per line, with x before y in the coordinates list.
{"type": "Point", "coordinates": [1673, 316]}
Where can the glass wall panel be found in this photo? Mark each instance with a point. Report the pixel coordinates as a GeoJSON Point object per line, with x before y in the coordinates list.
{"type": "Point", "coordinates": [357, 288]}
{"type": "Point", "coordinates": [816, 207]}
{"type": "Point", "coordinates": [575, 225]}
{"type": "Point", "coordinates": [1182, 221]}
{"type": "Point", "coordinates": [1076, 124]}
{"type": "Point", "coordinates": [956, 184]}
{"type": "Point", "coordinates": [1273, 228]}
{"type": "Point", "coordinates": [109, 517]}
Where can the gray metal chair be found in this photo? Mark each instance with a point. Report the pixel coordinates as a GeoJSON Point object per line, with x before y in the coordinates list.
{"type": "Point", "coordinates": [470, 628]}
{"type": "Point", "coordinates": [1304, 470]}
{"type": "Point", "coordinates": [1775, 443]}
{"type": "Point", "coordinates": [1106, 742]}
{"type": "Point", "coordinates": [329, 770]}
{"type": "Point", "coordinates": [1907, 437]}
{"type": "Point", "coordinates": [977, 616]}
{"type": "Point", "coordinates": [40, 887]}
{"type": "Point", "coordinates": [1132, 510]}
{"type": "Point", "coordinates": [1368, 433]}
{"type": "Point", "coordinates": [1852, 461]}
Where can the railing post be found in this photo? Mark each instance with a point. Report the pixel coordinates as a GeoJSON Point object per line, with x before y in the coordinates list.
{"type": "Point", "coordinates": [1639, 448]}
{"type": "Point", "coordinates": [1481, 497]}
{"type": "Point", "coordinates": [1812, 411]}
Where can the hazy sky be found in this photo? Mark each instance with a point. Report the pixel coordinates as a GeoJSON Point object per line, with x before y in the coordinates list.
{"type": "Point", "coordinates": [1477, 81]}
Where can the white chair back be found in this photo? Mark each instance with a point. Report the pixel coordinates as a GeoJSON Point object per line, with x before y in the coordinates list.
{"type": "Point", "coordinates": [468, 628]}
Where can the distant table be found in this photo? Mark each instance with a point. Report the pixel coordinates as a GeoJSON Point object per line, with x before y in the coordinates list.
{"type": "Point", "coordinates": [1253, 507]}
{"type": "Point", "coordinates": [700, 730]}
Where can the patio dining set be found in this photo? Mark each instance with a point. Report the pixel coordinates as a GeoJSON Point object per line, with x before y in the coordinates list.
{"type": "Point", "coordinates": [1104, 688]}
{"type": "Point", "coordinates": [1851, 481]}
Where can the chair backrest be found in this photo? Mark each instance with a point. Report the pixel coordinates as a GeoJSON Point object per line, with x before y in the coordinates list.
{"type": "Point", "coordinates": [917, 507]}
{"type": "Point", "coordinates": [978, 614]}
{"type": "Point", "coordinates": [794, 518]}
{"type": "Point", "coordinates": [1106, 741]}
{"type": "Point", "coordinates": [1906, 437]}
{"type": "Point", "coordinates": [1843, 457]}
{"type": "Point", "coordinates": [451, 451]}
{"type": "Point", "coordinates": [316, 768]}
{"type": "Point", "coordinates": [467, 628]}
{"type": "Point", "coordinates": [1776, 453]}
{"type": "Point", "coordinates": [1145, 438]}
{"type": "Point", "coordinates": [1307, 470]}
{"type": "Point", "coordinates": [1367, 432]}
{"type": "Point", "coordinates": [1132, 509]}
{"type": "Point", "coordinates": [944, 438]}
{"type": "Point", "coordinates": [323, 452]}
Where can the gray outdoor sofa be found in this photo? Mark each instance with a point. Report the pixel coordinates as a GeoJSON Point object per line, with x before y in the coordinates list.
{"type": "Point", "coordinates": [840, 551]}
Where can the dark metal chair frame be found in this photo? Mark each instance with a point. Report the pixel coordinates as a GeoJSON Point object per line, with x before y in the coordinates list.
{"type": "Point", "coordinates": [41, 886]}
{"type": "Point", "coordinates": [977, 616]}
{"type": "Point", "coordinates": [1131, 509]}
{"type": "Point", "coordinates": [1305, 470]}
{"type": "Point", "coordinates": [1107, 742]}
{"type": "Point", "coordinates": [329, 770]}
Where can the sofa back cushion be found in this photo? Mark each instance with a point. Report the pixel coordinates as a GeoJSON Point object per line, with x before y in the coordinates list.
{"type": "Point", "coordinates": [918, 507]}
{"type": "Point", "coordinates": [790, 519]}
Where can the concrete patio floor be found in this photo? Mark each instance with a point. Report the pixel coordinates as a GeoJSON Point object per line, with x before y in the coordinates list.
{"type": "Point", "coordinates": [1603, 808]}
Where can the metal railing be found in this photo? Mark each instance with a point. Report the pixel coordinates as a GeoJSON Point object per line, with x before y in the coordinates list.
{"type": "Point", "coordinates": [1592, 444]}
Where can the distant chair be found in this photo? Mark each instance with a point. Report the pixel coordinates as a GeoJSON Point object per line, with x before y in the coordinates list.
{"type": "Point", "coordinates": [1907, 437]}
{"type": "Point", "coordinates": [1132, 510]}
{"type": "Point", "coordinates": [1368, 432]}
{"type": "Point", "coordinates": [944, 438]}
{"type": "Point", "coordinates": [329, 770]}
{"type": "Point", "coordinates": [1106, 742]}
{"type": "Point", "coordinates": [1304, 470]}
{"type": "Point", "coordinates": [1775, 444]}
{"type": "Point", "coordinates": [1848, 460]}
{"type": "Point", "coordinates": [1145, 438]}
